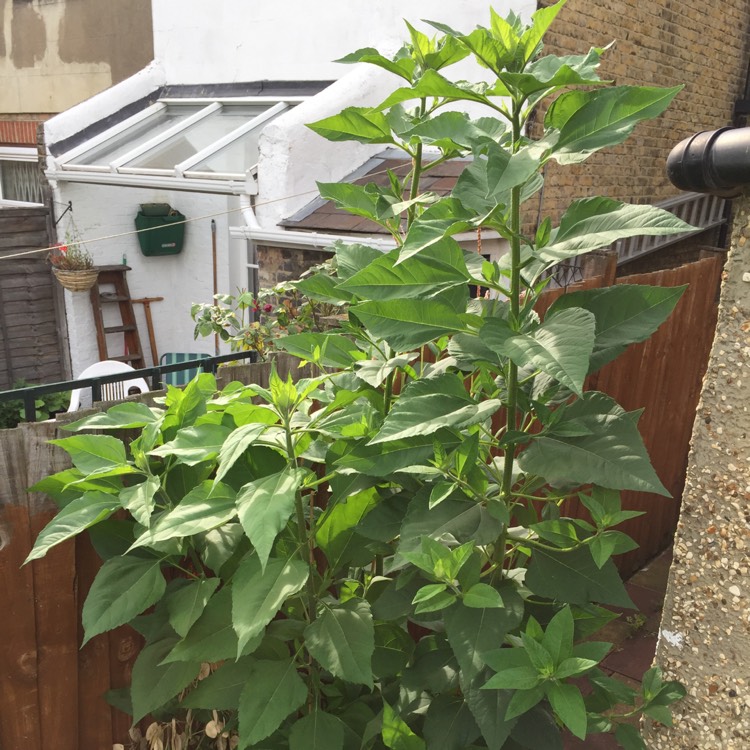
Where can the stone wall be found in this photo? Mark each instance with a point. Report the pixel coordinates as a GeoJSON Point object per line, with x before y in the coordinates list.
{"type": "Point", "coordinates": [280, 264]}
{"type": "Point", "coordinates": [657, 43]}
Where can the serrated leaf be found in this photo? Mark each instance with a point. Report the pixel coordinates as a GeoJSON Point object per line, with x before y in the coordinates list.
{"type": "Point", "coordinates": [265, 506]}
{"type": "Point", "coordinates": [77, 515]}
{"type": "Point", "coordinates": [488, 707]}
{"type": "Point", "coordinates": [482, 596]}
{"type": "Point", "coordinates": [573, 577]}
{"type": "Point", "coordinates": [354, 124]}
{"type": "Point", "coordinates": [257, 594]}
{"type": "Point", "coordinates": [235, 445]}
{"type": "Point", "coordinates": [273, 690]}
{"type": "Point", "coordinates": [613, 455]}
{"type": "Point", "coordinates": [153, 684]}
{"type": "Point", "coordinates": [212, 637]}
{"type": "Point", "coordinates": [407, 324]}
{"type": "Point", "coordinates": [590, 120]}
{"type": "Point", "coordinates": [127, 416]}
{"type": "Point", "coordinates": [449, 724]}
{"type": "Point", "coordinates": [342, 640]}
{"type": "Point", "coordinates": [593, 223]}
{"type": "Point", "coordinates": [93, 453]}
{"type": "Point", "coordinates": [204, 508]}
{"type": "Point", "coordinates": [396, 733]}
{"type": "Point", "coordinates": [473, 633]}
{"type": "Point", "coordinates": [139, 499]}
{"type": "Point", "coordinates": [317, 731]}
{"type": "Point", "coordinates": [221, 690]}
{"type": "Point", "coordinates": [194, 444]}
{"type": "Point", "coordinates": [567, 703]}
{"type": "Point", "coordinates": [123, 588]}
{"type": "Point", "coordinates": [560, 347]}
{"type": "Point", "coordinates": [426, 406]}
{"type": "Point", "coordinates": [325, 349]}
{"type": "Point", "coordinates": [186, 605]}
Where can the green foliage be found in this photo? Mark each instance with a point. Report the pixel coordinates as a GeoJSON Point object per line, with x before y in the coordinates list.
{"type": "Point", "coordinates": [12, 411]}
{"type": "Point", "coordinates": [356, 555]}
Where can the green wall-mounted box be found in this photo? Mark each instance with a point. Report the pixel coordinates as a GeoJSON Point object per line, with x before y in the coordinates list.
{"type": "Point", "coordinates": [166, 229]}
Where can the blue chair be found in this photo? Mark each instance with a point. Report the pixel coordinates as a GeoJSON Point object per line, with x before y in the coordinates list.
{"type": "Point", "coordinates": [181, 377]}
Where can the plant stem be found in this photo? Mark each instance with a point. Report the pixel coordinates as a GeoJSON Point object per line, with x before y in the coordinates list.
{"type": "Point", "coordinates": [416, 171]}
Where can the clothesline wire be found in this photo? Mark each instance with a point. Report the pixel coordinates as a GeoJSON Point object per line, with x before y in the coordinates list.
{"type": "Point", "coordinates": [75, 243]}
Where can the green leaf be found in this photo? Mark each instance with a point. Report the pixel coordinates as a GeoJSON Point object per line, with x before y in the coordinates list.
{"type": "Point", "coordinates": [558, 637]}
{"type": "Point", "coordinates": [353, 258]}
{"type": "Point", "coordinates": [336, 531]}
{"type": "Point", "coordinates": [127, 416]}
{"type": "Point", "coordinates": [486, 183]}
{"type": "Point", "coordinates": [441, 220]}
{"type": "Point", "coordinates": [204, 508]}
{"type": "Point", "coordinates": [186, 605]}
{"type": "Point", "coordinates": [489, 707]}
{"type": "Point", "coordinates": [472, 633]}
{"type": "Point", "coordinates": [264, 507]}
{"type": "Point", "coordinates": [396, 733]}
{"type": "Point", "coordinates": [402, 66]}
{"type": "Point", "coordinates": [342, 640]}
{"type": "Point", "coordinates": [93, 453]}
{"type": "Point", "coordinates": [523, 701]}
{"type": "Point", "coordinates": [325, 349]}
{"type": "Point", "coordinates": [258, 594]}
{"type": "Point", "coordinates": [427, 405]}
{"type": "Point", "coordinates": [432, 84]}
{"type": "Point", "coordinates": [567, 703]}
{"type": "Point", "coordinates": [235, 445]}
{"type": "Point", "coordinates": [393, 649]}
{"type": "Point", "coordinates": [612, 455]}
{"type": "Point", "coordinates": [609, 543]}
{"type": "Point", "coordinates": [427, 275]}
{"type": "Point", "coordinates": [139, 499]}
{"type": "Point", "coordinates": [537, 729]}
{"type": "Point", "coordinates": [317, 731]}
{"type": "Point", "coordinates": [354, 124]}
{"type": "Point", "coordinates": [625, 314]}
{"type": "Point", "coordinates": [153, 684]}
{"type": "Point", "coordinates": [77, 515]}
{"type": "Point", "coordinates": [432, 598]}
{"type": "Point", "coordinates": [273, 690]}
{"type": "Point", "coordinates": [407, 324]}
{"type": "Point", "coordinates": [629, 737]}
{"type": "Point", "coordinates": [593, 223]}
{"type": "Point", "coordinates": [482, 596]}
{"type": "Point", "coordinates": [514, 678]}
{"type": "Point", "coordinates": [449, 724]}
{"type": "Point", "coordinates": [123, 588]}
{"type": "Point", "coordinates": [590, 120]}
{"type": "Point", "coordinates": [212, 637]}
{"type": "Point", "coordinates": [573, 577]}
{"type": "Point", "coordinates": [574, 666]}
{"type": "Point", "coordinates": [195, 444]}
{"type": "Point", "coordinates": [221, 690]}
{"type": "Point", "coordinates": [323, 288]}
{"type": "Point", "coordinates": [559, 347]}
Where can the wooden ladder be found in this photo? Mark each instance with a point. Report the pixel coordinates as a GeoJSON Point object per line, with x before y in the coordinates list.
{"type": "Point", "coordinates": [114, 276]}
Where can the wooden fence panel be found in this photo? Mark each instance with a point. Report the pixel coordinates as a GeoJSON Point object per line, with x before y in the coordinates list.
{"type": "Point", "coordinates": [31, 339]}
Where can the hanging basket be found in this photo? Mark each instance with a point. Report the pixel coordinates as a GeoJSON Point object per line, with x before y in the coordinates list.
{"type": "Point", "coordinates": [77, 281]}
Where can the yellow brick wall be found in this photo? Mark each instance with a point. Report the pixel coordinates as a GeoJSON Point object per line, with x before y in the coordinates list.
{"type": "Point", "coordinates": [702, 45]}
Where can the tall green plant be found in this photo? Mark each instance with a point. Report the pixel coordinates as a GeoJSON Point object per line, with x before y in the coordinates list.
{"type": "Point", "coordinates": [376, 557]}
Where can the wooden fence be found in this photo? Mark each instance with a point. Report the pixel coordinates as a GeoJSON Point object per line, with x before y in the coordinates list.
{"type": "Point", "coordinates": [51, 692]}
{"type": "Point", "coordinates": [31, 315]}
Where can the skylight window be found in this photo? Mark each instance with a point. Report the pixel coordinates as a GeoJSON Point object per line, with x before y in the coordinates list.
{"type": "Point", "coordinates": [178, 140]}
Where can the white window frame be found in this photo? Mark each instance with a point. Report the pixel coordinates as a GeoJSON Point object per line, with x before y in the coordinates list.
{"type": "Point", "coordinates": [27, 154]}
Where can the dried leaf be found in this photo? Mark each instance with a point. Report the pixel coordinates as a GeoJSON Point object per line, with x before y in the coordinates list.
{"type": "Point", "coordinates": [212, 729]}
{"type": "Point", "coordinates": [205, 671]}
{"type": "Point", "coordinates": [135, 734]}
{"type": "Point", "coordinates": [153, 731]}
{"type": "Point", "coordinates": [118, 746]}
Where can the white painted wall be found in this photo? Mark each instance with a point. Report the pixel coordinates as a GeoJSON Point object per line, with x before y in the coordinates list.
{"type": "Point", "coordinates": [181, 279]}
{"type": "Point", "coordinates": [254, 40]}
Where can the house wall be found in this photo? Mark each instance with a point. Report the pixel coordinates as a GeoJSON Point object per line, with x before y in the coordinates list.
{"type": "Point", "coordinates": [182, 279]}
{"type": "Point", "coordinates": [657, 43]}
{"type": "Point", "coordinates": [56, 54]}
{"type": "Point", "coordinates": [293, 40]}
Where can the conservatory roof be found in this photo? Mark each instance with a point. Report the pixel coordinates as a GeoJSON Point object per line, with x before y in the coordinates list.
{"type": "Point", "coordinates": [203, 144]}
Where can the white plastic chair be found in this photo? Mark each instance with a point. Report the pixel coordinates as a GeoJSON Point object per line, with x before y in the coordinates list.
{"type": "Point", "coordinates": [81, 397]}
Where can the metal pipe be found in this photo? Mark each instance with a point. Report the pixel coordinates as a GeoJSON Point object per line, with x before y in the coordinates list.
{"type": "Point", "coordinates": [716, 161]}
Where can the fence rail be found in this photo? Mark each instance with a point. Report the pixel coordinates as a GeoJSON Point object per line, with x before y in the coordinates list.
{"type": "Point", "coordinates": [30, 394]}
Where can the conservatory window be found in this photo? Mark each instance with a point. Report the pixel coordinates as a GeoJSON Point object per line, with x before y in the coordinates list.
{"type": "Point", "coordinates": [180, 140]}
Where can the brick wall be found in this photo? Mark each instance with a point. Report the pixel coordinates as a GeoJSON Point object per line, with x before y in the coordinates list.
{"type": "Point", "coordinates": [280, 264]}
{"type": "Point", "coordinates": [19, 131]}
{"type": "Point", "coordinates": [661, 43]}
